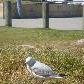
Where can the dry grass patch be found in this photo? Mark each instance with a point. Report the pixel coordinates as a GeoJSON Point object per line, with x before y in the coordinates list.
{"type": "Point", "coordinates": [52, 47]}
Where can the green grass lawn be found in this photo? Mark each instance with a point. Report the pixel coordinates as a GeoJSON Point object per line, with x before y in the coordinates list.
{"type": "Point", "coordinates": [54, 48]}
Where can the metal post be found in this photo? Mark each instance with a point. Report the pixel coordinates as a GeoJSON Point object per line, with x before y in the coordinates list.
{"type": "Point", "coordinates": [45, 14]}
{"type": "Point", "coordinates": [8, 15]}
{"type": "Point", "coordinates": [19, 8]}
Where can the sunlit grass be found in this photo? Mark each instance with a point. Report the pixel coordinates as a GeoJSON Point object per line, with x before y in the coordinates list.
{"type": "Point", "coordinates": [55, 48]}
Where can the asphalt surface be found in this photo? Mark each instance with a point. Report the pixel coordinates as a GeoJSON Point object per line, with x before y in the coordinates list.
{"type": "Point", "coordinates": [55, 23]}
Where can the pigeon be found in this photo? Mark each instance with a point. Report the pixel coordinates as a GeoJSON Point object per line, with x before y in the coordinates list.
{"type": "Point", "coordinates": [40, 70]}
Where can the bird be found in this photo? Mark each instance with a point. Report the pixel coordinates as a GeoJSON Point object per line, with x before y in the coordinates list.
{"type": "Point", "coordinates": [40, 70]}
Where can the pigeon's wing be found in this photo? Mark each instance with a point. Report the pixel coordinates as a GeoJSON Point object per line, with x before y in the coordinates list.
{"type": "Point", "coordinates": [41, 66]}
{"type": "Point", "coordinates": [42, 72]}
{"type": "Point", "coordinates": [42, 69]}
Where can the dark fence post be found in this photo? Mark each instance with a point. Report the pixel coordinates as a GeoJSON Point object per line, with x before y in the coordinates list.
{"type": "Point", "coordinates": [83, 16]}
{"type": "Point", "coordinates": [45, 14]}
{"type": "Point", "coordinates": [8, 15]}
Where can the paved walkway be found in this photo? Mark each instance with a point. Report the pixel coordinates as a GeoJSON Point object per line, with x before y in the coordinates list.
{"type": "Point", "coordinates": [55, 23]}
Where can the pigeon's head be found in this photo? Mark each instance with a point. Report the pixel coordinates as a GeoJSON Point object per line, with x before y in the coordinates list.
{"type": "Point", "coordinates": [28, 59]}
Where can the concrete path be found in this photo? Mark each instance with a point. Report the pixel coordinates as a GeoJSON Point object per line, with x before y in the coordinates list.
{"type": "Point", "coordinates": [55, 23]}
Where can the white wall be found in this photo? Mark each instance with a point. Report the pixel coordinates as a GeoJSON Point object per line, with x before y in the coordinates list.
{"type": "Point", "coordinates": [78, 1]}
{"type": "Point", "coordinates": [55, 0]}
{"type": "Point", "coordinates": [74, 1]}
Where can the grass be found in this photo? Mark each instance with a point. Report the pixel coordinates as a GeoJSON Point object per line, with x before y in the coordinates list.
{"type": "Point", "coordinates": [55, 48]}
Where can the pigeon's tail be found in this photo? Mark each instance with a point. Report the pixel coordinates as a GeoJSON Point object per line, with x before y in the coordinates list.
{"type": "Point", "coordinates": [57, 76]}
